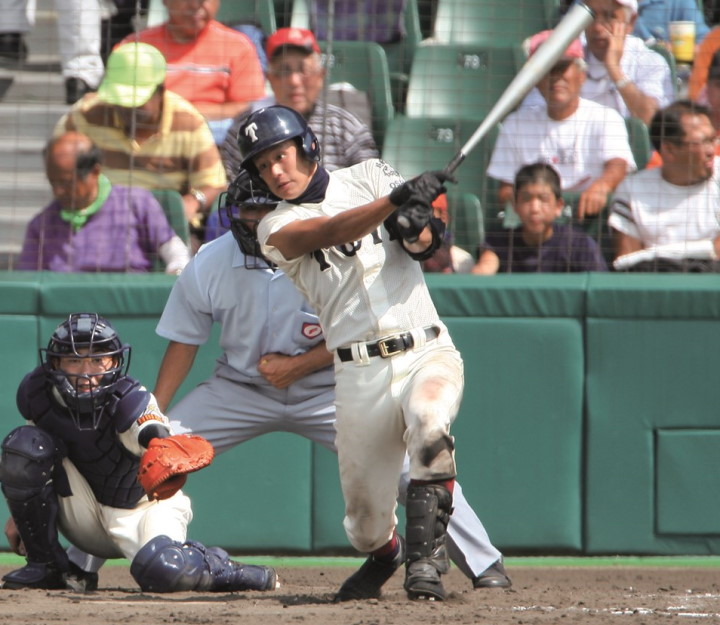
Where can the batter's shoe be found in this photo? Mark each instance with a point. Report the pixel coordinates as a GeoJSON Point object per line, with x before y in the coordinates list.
{"type": "Point", "coordinates": [368, 580]}
{"type": "Point", "coordinates": [493, 577]}
{"type": "Point", "coordinates": [422, 581]}
{"type": "Point", "coordinates": [35, 575]}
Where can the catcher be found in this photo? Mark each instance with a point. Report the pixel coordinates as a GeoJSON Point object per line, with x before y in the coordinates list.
{"type": "Point", "coordinates": [98, 461]}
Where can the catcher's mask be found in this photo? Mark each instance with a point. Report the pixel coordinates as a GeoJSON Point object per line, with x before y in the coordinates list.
{"type": "Point", "coordinates": [239, 211]}
{"type": "Point", "coordinates": [84, 341]}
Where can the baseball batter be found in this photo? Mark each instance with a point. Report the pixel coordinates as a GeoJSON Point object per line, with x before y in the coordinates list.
{"type": "Point", "coordinates": [349, 240]}
{"type": "Point", "coordinates": [273, 377]}
{"type": "Point", "coordinates": [75, 465]}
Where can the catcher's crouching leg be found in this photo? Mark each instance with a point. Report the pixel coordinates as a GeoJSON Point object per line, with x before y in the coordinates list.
{"type": "Point", "coordinates": [166, 565]}
{"type": "Point", "coordinates": [428, 511]}
{"type": "Point", "coordinates": [28, 459]}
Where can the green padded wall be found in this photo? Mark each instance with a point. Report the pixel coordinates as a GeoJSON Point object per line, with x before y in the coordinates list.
{"type": "Point", "coordinates": [653, 352]}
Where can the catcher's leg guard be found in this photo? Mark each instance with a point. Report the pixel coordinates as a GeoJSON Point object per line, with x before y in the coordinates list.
{"type": "Point", "coordinates": [28, 456]}
{"type": "Point", "coordinates": [165, 565]}
{"type": "Point", "coordinates": [428, 511]}
{"type": "Point", "coordinates": [367, 581]}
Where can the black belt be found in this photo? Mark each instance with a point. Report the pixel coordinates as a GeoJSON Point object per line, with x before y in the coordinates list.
{"type": "Point", "coordinates": [390, 346]}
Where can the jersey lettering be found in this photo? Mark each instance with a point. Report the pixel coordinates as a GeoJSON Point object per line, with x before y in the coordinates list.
{"type": "Point", "coordinates": [346, 249]}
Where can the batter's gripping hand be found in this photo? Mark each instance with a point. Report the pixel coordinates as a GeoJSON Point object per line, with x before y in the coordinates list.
{"type": "Point", "coordinates": [422, 189]}
{"type": "Point", "coordinates": [412, 218]}
{"type": "Point", "coordinates": [167, 461]}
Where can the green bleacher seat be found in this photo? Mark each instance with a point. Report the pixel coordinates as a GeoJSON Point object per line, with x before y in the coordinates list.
{"type": "Point", "coordinates": [230, 12]}
{"type": "Point", "coordinates": [363, 65]}
{"type": "Point", "coordinates": [498, 22]}
{"type": "Point", "coordinates": [466, 220]}
{"type": "Point", "coordinates": [670, 60]}
{"type": "Point", "coordinates": [174, 208]}
{"type": "Point", "coordinates": [639, 138]}
{"type": "Point", "coordinates": [413, 145]}
{"type": "Point", "coordinates": [399, 53]}
{"type": "Point", "coordinates": [463, 80]}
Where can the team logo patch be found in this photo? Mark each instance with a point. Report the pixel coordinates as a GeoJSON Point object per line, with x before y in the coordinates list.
{"type": "Point", "coordinates": [311, 330]}
{"type": "Point", "coordinates": [250, 131]}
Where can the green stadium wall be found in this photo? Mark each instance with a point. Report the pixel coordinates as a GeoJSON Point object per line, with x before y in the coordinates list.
{"type": "Point", "coordinates": [589, 425]}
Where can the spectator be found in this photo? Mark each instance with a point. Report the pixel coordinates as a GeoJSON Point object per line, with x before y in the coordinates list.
{"type": "Point", "coordinates": [448, 258]}
{"type": "Point", "coordinates": [538, 244]}
{"type": "Point", "coordinates": [622, 72]}
{"type": "Point", "coordinates": [149, 136]}
{"type": "Point", "coordinates": [78, 29]}
{"type": "Point", "coordinates": [585, 141]}
{"type": "Point", "coordinates": [701, 65]}
{"type": "Point", "coordinates": [93, 225]}
{"type": "Point", "coordinates": [654, 17]}
{"type": "Point", "coordinates": [713, 94]}
{"type": "Point", "coordinates": [214, 67]}
{"type": "Point", "coordinates": [667, 218]}
{"type": "Point", "coordinates": [296, 76]}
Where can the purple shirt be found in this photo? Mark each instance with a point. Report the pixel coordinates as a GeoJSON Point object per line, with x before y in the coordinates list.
{"type": "Point", "coordinates": [567, 250]}
{"type": "Point", "coordinates": [123, 236]}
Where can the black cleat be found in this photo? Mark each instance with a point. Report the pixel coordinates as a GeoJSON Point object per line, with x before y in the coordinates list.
{"type": "Point", "coordinates": [422, 581]}
{"type": "Point", "coordinates": [80, 580]}
{"type": "Point", "coordinates": [35, 575]}
{"type": "Point", "coordinates": [367, 581]}
{"type": "Point", "coordinates": [493, 577]}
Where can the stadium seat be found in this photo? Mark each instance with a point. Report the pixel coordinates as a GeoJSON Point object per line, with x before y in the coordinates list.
{"type": "Point", "coordinates": [231, 12]}
{"type": "Point", "coordinates": [413, 145]}
{"type": "Point", "coordinates": [174, 208]}
{"type": "Point", "coordinates": [463, 80]}
{"type": "Point", "coordinates": [399, 51]}
{"type": "Point", "coordinates": [639, 138]}
{"type": "Point", "coordinates": [363, 65]}
{"type": "Point", "coordinates": [497, 22]}
{"type": "Point", "coordinates": [670, 59]}
{"type": "Point", "coordinates": [466, 220]}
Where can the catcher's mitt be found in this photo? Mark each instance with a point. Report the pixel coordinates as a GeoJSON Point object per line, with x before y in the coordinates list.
{"type": "Point", "coordinates": [167, 461]}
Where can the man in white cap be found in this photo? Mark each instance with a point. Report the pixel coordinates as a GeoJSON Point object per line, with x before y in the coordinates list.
{"type": "Point", "coordinates": [623, 73]}
{"type": "Point", "coordinates": [584, 141]}
{"type": "Point", "coordinates": [150, 137]}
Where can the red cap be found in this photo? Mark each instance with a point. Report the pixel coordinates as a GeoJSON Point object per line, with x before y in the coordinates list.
{"type": "Point", "coordinates": [295, 37]}
{"type": "Point", "coordinates": [574, 50]}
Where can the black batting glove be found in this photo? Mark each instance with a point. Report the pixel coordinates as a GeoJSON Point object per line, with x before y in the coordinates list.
{"type": "Point", "coordinates": [422, 189]}
{"type": "Point", "coordinates": [412, 218]}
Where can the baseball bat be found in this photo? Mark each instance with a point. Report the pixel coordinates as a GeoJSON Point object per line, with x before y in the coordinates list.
{"type": "Point", "coordinates": [573, 23]}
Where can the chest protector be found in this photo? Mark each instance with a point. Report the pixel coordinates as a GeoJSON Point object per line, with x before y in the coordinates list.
{"type": "Point", "coordinates": [109, 468]}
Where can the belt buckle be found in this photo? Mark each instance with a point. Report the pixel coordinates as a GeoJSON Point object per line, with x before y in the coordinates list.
{"type": "Point", "coordinates": [385, 350]}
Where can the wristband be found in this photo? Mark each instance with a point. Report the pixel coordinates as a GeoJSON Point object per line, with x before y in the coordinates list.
{"type": "Point", "coordinates": [623, 82]}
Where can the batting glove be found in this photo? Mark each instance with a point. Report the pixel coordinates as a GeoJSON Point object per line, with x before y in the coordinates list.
{"type": "Point", "coordinates": [422, 189]}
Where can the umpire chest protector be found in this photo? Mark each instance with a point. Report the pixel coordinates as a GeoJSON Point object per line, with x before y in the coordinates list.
{"type": "Point", "coordinates": [109, 468]}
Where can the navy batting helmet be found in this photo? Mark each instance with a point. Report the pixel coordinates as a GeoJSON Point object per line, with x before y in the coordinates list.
{"type": "Point", "coordinates": [82, 335]}
{"type": "Point", "coordinates": [271, 126]}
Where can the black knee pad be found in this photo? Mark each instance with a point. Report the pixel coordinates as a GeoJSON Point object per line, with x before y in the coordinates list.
{"type": "Point", "coordinates": [26, 464]}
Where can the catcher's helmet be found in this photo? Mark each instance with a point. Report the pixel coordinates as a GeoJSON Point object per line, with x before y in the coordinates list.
{"type": "Point", "coordinates": [243, 194]}
{"type": "Point", "coordinates": [271, 126]}
{"type": "Point", "coordinates": [83, 334]}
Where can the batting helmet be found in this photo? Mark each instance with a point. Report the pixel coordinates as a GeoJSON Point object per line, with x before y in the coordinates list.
{"type": "Point", "coordinates": [80, 335]}
{"type": "Point", "coordinates": [271, 126]}
{"type": "Point", "coordinates": [242, 195]}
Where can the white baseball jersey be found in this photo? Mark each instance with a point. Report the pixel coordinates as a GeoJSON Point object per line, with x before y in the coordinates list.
{"type": "Point", "coordinates": [578, 147]}
{"type": "Point", "coordinates": [363, 290]}
{"type": "Point", "coordinates": [656, 212]}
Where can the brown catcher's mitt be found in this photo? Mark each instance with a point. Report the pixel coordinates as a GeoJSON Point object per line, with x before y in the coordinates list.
{"type": "Point", "coordinates": [167, 461]}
